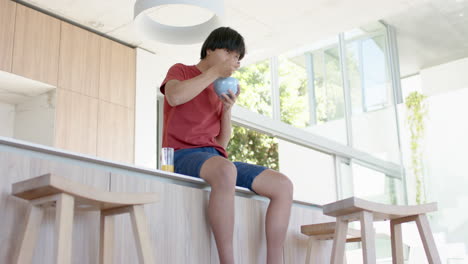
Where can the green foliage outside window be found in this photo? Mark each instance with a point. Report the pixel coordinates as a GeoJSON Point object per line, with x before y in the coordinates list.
{"type": "Point", "coordinates": [417, 111]}
{"type": "Point", "coordinates": [248, 145]}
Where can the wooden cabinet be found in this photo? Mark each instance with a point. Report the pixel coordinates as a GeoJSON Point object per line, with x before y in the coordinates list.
{"type": "Point", "coordinates": [95, 105]}
{"type": "Point", "coordinates": [7, 29]}
{"type": "Point", "coordinates": [95, 77]}
{"type": "Point", "coordinates": [79, 60]}
{"type": "Point", "coordinates": [76, 122]}
{"type": "Point", "coordinates": [117, 73]}
{"type": "Point", "coordinates": [115, 139]}
{"type": "Point", "coordinates": [36, 46]}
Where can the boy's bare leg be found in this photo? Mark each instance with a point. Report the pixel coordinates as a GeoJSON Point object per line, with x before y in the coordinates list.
{"type": "Point", "coordinates": [279, 189]}
{"type": "Point", "coordinates": [221, 175]}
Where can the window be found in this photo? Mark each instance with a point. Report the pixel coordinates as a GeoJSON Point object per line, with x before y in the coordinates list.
{"type": "Point", "coordinates": [255, 83]}
{"type": "Point", "coordinates": [250, 146]}
{"type": "Point", "coordinates": [312, 172]}
{"type": "Point", "coordinates": [294, 94]}
{"type": "Point", "coordinates": [367, 69]}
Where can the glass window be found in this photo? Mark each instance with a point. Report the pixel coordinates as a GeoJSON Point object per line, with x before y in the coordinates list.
{"type": "Point", "coordinates": [367, 69]}
{"type": "Point", "coordinates": [312, 172]}
{"type": "Point", "coordinates": [373, 114]}
{"type": "Point", "coordinates": [375, 74]}
{"type": "Point", "coordinates": [294, 95]}
{"type": "Point", "coordinates": [250, 146]}
{"type": "Point", "coordinates": [375, 186]}
{"type": "Point", "coordinates": [328, 94]}
{"type": "Point", "coordinates": [328, 86]}
{"type": "Point", "coordinates": [255, 83]}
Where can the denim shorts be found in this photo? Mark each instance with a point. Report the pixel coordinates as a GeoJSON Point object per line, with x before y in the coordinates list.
{"type": "Point", "coordinates": [190, 161]}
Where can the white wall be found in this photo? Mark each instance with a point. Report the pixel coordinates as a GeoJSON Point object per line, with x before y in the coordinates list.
{"type": "Point", "coordinates": [31, 120]}
{"type": "Point", "coordinates": [445, 146]}
{"type": "Point", "coordinates": [7, 119]}
{"type": "Point", "coordinates": [374, 132]}
{"type": "Point", "coordinates": [445, 77]}
{"type": "Point", "coordinates": [146, 118]}
{"type": "Point", "coordinates": [334, 130]}
{"type": "Point", "coordinates": [312, 172]}
{"type": "Point", "coordinates": [35, 119]}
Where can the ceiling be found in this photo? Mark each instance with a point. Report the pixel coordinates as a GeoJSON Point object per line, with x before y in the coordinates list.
{"type": "Point", "coordinates": [430, 33]}
{"type": "Point", "coordinates": [427, 29]}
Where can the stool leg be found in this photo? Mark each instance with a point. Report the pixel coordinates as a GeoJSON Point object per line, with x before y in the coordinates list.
{"type": "Point", "coordinates": [64, 228]}
{"type": "Point", "coordinates": [427, 239]}
{"type": "Point", "coordinates": [397, 242]}
{"type": "Point", "coordinates": [140, 231]}
{"type": "Point", "coordinates": [106, 242]}
{"type": "Point", "coordinates": [368, 238]}
{"type": "Point", "coordinates": [310, 244]}
{"type": "Point", "coordinates": [339, 241]}
{"type": "Point", "coordinates": [29, 238]}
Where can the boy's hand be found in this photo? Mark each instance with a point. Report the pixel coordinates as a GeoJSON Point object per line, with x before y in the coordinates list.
{"type": "Point", "coordinates": [230, 100]}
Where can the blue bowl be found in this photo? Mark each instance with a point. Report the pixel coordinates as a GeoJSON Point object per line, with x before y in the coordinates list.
{"type": "Point", "coordinates": [222, 85]}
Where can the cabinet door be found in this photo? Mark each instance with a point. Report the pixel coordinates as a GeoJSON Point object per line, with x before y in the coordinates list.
{"type": "Point", "coordinates": [76, 122]}
{"type": "Point", "coordinates": [79, 60]}
{"type": "Point", "coordinates": [7, 29]}
{"type": "Point", "coordinates": [36, 47]}
{"type": "Point", "coordinates": [117, 73]}
{"type": "Point", "coordinates": [115, 132]}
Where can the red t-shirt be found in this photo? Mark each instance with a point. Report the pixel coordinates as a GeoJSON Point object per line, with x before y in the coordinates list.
{"type": "Point", "coordinates": [197, 122]}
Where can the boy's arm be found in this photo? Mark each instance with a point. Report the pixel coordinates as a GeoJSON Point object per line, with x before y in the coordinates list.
{"type": "Point", "coordinates": [179, 92]}
{"type": "Point", "coordinates": [225, 132]}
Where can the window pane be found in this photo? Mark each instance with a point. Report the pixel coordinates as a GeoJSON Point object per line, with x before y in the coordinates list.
{"type": "Point", "coordinates": [376, 186]}
{"type": "Point", "coordinates": [373, 117]}
{"type": "Point", "coordinates": [312, 172]}
{"type": "Point", "coordinates": [374, 66]}
{"type": "Point", "coordinates": [329, 87]}
{"type": "Point", "coordinates": [353, 64]}
{"type": "Point", "coordinates": [294, 94]}
{"type": "Point", "coordinates": [255, 82]}
{"type": "Point", "coordinates": [250, 146]}
{"type": "Point", "coordinates": [329, 99]}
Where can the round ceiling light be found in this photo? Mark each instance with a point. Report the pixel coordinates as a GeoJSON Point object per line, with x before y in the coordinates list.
{"type": "Point", "coordinates": [178, 21]}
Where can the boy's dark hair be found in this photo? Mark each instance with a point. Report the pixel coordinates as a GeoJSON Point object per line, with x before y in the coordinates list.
{"type": "Point", "coordinates": [224, 38]}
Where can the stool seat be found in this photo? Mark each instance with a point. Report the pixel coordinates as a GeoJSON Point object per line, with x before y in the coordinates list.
{"type": "Point", "coordinates": [356, 209]}
{"type": "Point", "coordinates": [380, 211]}
{"type": "Point", "coordinates": [85, 195]}
{"type": "Point", "coordinates": [326, 231]}
{"type": "Point", "coordinates": [66, 196]}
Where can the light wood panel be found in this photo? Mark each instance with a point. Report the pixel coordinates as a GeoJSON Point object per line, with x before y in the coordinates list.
{"type": "Point", "coordinates": [79, 60]}
{"type": "Point", "coordinates": [7, 29]}
{"type": "Point", "coordinates": [36, 46]}
{"type": "Point", "coordinates": [15, 167]}
{"type": "Point", "coordinates": [295, 247]}
{"type": "Point", "coordinates": [117, 73]}
{"type": "Point", "coordinates": [249, 232]}
{"type": "Point", "coordinates": [179, 231]}
{"type": "Point", "coordinates": [76, 122]}
{"type": "Point", "coordinates": [116, 125]}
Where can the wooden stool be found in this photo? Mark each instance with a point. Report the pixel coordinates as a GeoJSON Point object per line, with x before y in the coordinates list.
{"type": "Point", "coordinates": [353, 209]}
{"type": "Point", "coordinates": [326, 231]}
{"type": "Point", "coordinates": [51, 190]}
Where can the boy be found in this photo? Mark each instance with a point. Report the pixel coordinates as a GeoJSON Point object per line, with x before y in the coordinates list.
{"type": "Point", "coordinates": [197, 124]}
